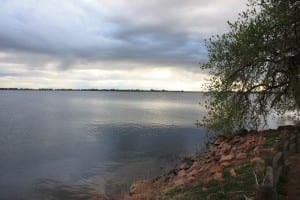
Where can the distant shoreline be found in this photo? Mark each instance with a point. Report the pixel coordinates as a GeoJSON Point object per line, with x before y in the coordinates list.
{"type": "Point", "coordinates": [100, 90]}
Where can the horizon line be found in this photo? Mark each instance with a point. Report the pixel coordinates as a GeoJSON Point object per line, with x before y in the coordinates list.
{"type": "Point", "coordinates": [95, 89]}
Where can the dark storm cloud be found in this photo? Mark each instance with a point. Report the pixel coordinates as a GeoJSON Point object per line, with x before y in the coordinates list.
{"type": "Point", "coordinates": [69, 32]}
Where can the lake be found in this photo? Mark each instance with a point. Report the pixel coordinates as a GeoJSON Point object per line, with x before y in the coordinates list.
{"type": "Point", "coordinates": [70, 144]}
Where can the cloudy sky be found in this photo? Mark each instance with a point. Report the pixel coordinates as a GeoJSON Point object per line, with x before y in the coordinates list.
{"type": "Point", "coordinates": [137, 44]}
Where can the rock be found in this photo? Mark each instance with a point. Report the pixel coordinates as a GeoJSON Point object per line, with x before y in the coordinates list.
{"type": "Point", "coordinates": [140, 187]}
{"type": "Point", "coordinates": [184, 166]}
{"type": "Point", "coordinates": [278, 160]}
{"type": "Point", "coordinates": [233, 149]}
{"type": "Point", "coordinates": [186, 163]}
{"type": "Point", "coordinates": [268, 150]}
{"type": "Point", "coordinates": [172, 173]}
{"type": "Point", "coordinates": [207, 180]}
{"type": "Point", "coordinates": [293, 148]}
{"type": "Point", "coordinates": [258, 160]}
{"type": "Point", "coordinates": [225, 147]}
{"type": "Point", "coordinates": [216, 158]}
{"type": "Point", "coordinates": [178, 181]}
{"type": "Point", "coordinates": [261, 140]}
{"type": "Point", "coordinates": [218, 140]}
{"type": "Point", "coordinates": [189, 160]}
{"type": "Point", "coordinates": [205, 167]}
{"type": "Point", "coordinates": [218, 176]}
{"type": "Point", "coordinates": [139, 197]}
{"type": "Point", "coordinates": [210, 160]}
{"type": "Point", "coordinates": [226, 158]}
{"type": "Point", "coordinates": [181, 178]}
{"type": "Point", "coordinates": [232, 172]}
{"type": "Point", "coordinates": [269, 177]}
{"type": "Point", "coordinates": [251, 139]}
{"type": "Point", "coordinates": [196, 166]}
{"type": "Point", "coordinates": [225, 164]}
{"type": "Point", "coordinates": [212, 152]}
{"type": "Point", "coordinates": [194, 172]}
{"type": "Point", "coordinates": [241, 156]}
{"type": "Point", "coordinates": [216, 168]}
{"type": "Point", "coordinates": [235, 140]}
{"type": "Point", "coordinates": [256, 151]}
{"type": "Point", "coordinates": [190, 179]}
{"type": "Point", "coordinates": [213, 148]}
{"type": "Point", "coordinates": [248, 198]}
{"type": "Point", "coordinates": [181, 174]}
{"type": "Point", "coordinates": [246, 145]}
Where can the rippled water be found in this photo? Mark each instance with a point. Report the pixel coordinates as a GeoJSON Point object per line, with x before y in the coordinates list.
{"type": "Point", "coordinates": [68, 145]}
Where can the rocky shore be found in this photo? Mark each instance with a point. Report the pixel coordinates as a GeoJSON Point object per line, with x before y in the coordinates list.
{"type": "Point", "coordinates": [232, 167]}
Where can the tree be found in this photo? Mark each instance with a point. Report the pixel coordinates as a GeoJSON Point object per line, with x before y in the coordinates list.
{"type": "Point", "coordinates": [254, 68]}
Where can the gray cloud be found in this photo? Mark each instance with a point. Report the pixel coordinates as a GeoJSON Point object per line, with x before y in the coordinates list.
{"type": "Point", "coordinates": [109, 44]}
{"type": "Point", "coordinates": [71, 32]}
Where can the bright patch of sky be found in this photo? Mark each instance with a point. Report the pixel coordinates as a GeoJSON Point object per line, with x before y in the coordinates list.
{"type": "Point", "coordinates": [121, 44]}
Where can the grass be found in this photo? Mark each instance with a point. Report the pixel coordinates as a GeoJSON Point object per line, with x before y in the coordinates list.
{"type": "Point", "coordinates": [272, 137]}
{"type": "Point", "coordinates": [281, 186]}
{"type": "Point", "coordinates": [244, 184]}
{"type": "Point", "coordinates": [273, 141]}
{"type": "Point", "coordinates": [231, 188]}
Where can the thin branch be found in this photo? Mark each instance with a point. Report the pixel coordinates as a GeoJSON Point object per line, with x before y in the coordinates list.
{"type": "Point", "coordinates": [256, 180]}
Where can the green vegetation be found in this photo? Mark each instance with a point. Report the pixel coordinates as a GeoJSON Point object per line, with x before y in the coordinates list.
{"type": "Point", "coordinates": [241, 185]}
{"type": "Point", "coordinates": [231, 188]}
{"type": "Point", "coordinates": [281, 187]}
{"type": "Point", "coordinates": [255, 67]}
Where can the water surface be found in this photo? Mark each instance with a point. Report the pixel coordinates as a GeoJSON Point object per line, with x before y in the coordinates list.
{"type": "Point", "coordinates": [62, 145]}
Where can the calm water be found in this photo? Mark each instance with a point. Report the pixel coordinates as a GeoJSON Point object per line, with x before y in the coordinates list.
{"type": "Point", "coordinates": [62, 145]}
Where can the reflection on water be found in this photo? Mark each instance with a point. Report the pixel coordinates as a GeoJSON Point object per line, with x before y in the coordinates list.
{"type": "Point", "coordinates": [48, 189]}
{"type": "Point", "coordinates": [70, 145]}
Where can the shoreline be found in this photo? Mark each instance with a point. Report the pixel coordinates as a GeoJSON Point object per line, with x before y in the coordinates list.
{"type": "Point", "coordinates": [99, 90]}
{"type": "Point", "coordinates": [226, 159]}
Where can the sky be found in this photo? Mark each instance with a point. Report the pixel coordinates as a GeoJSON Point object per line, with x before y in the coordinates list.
{"type": "Point", "coordinates": [133, 44]}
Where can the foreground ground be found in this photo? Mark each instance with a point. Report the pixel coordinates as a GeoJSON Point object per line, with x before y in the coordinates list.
{"type": "Point", "coordinates": [292, 185]}
{"type": "Point", "coordinates": [233, 168]}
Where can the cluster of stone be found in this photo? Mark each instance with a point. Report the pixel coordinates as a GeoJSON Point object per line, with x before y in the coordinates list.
{"type": "Point", "coordinates": [222, 153]}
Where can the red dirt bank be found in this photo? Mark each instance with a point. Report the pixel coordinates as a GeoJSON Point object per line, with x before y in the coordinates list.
{"type": "Point", "coordinates": [224, 153]}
